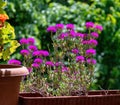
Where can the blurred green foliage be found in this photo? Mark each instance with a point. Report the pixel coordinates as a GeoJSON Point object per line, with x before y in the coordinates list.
{"type": "Point", "coordinates": [31, 17]}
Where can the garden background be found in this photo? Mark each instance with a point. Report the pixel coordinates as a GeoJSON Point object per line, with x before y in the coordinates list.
{"type": "Point", "coordinates": [32, 17]}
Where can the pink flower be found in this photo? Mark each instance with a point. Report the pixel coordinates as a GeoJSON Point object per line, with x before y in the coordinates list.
{"type": "Point", "coordinates": [25, 52]}
{"type": "Point", "coordinates": [93, 42]}
{"type": "Point", "coordinates": [85, 42]}
{"type": "Point", "coordinates": [99, 27]}
{"type": "Point", "coordinates": [70, 26]}
{"type": "Point", "coordinates": [62, 35]}
{"type": "Point", "coordinates": [64, 69]}
{"type": "Point", "coordinates": [58, 64]}
{"type": "Point", "coordinates": [41, 53]}
{"type": "Point", "coordinates": [75, 51]}
{"type": "Point", "coordinates": [91, 51]}
{"type": "Point", "coordinates": [72, 33]}
{"type": "Point", "coordinates": [38, 61]}
{"type": "Point", "coordinates": [89, 25]}
{"type": "Point", "coordinates": [81, 35]}
{"type": "Point", "coordinates": [80, 59]}
{"type": "Point", "coordinates": [31, 40]}
{"type": "Point", "coordinates": [91, 61]}
{"type": "Point", "coordinates": [51, 29]}
{"type": "Point", "coordinates": [35, 65]}
{"type": "Point", "coordinates": [49, 63]}
{"type": "Point", "coordinates": [14, 61]}
{"type": "Point", "coordinates": [95, 34]}
{"type": "Point", "coordinates": [59, 26]}
{"type": "Point", "coordinates": [32, 47]}
{"type": "Point", "coordinates": [23, 41]}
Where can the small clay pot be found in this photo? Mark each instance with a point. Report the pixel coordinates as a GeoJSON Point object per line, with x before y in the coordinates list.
{"type": "Point", "coordinates": [10, 77]}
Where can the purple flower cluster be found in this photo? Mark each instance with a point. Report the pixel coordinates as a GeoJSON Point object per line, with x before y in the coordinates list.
{"type": "Point", "coordinates": [24, 41]}
{"type": "Point", "coordinates": [70, 26]}
{"type": "Point", "coordinates": [91, 61]}
{"type": "Point", "coordinates": [49, 63]}
{"type": "Point", "coordinates": [51, 29]}
{"type": "Point", "coordinates": [32, 47]}
{"type": "Point", "coordinates": [41, 53]}
{"type": "Point", "coordinates": [89, 25]}
{"type": "Point", "coordinates": [90, 51]}
{"type": "Point", "coordinates": [80, 59]}
{"type": "Point", "coordinates": [25, 52]}
{"type": "Point", "coordinates": [59, 26]}
{"type": "Point", "coordinates": [75, 51]}
{"type": "Point", "coordinates": [14, 61]}
{"type": "Point", "coordinates": [92, 25]}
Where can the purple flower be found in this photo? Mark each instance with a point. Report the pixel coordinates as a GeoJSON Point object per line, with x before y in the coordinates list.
{"type": "Point", "coordinates": [58, 64]}
{"type": "Point", "coordinates": [91, 61]}
{"type": "Point", "coordinates": [81, 35]}
{"type": "Point", "coordinates": [80, 59]}
{"type": "Point", "coordinates": [31, 40]}
{"type": "Point", "coordinates": [85, 42]}
{"type": "Point", "coordinates": [62, 35]}
{"type": "Point", "coordinates": [35, 65]}
{"type": "Point", "coordinates": [41, 53]}
{"type": "Point", "coordinates": [95, 34]}
{"type": "Point", "coordinates": [70, 26]}
{"type": "Point", "coordinates": [38, 61]}
{"type": "Point", "coordinates": [89, 24]}
{"type": "Point", "coordinates": [45, 53]}
{"type": "Point", "coordinates": [59, 26]}
{"type": "Point", "coordinates": [25, 52]}
{"type": "Point", "coordinates": [32, 47]}
{"type": "Point", "coordinates": [23, 41]}
{"type": "Point", "coordinates": [64, 69]}
{"type": "Point", "coordinates": [37, 53]}
{"type": "Point", "coordinates": [51, 29]}
{"type": "Point", "coordinates": [91, 51]}
{"type": "Point", "coordinates": [99, 27]}
{"type": "Point", "coordinates": [93, 42]}
{"type": "Point", "coordinates": [49, 63]}
{"type": "Point", "coordinates": [14, 61]}
{"type": "Point", "coordinates": [75, 51]}
{"type": "Point", "coordinates": [72, 33]}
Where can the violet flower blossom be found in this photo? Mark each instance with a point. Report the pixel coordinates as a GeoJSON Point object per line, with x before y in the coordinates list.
{"type": "Point", "coordinates": [91, 61]}
{"type": "Point", "coordinates": [14, 61]}
{"type": "Point", "coordinates": [70, 26]}
{"type": "Point", "coordinates": [99, 27]}
{"type": "Point", "coordinates": [49, 63]}
{"type": "Point", "coordinates": [75, 51]}
{"type": "Point", "coordinates": [38, 61]}
{"type": "Point", "coordinates": [31, 40]}
{"type": "Point", "coordinates": [25, 52]}
{"type": "Point", "coordinates": [91, 51]}
{"type": "Point", "coordinates": [59, 26]}
{"type": "Point", "coordinates": [32, 47]}
{"type": "Point", "coordinates": [89, 25]}
{"type": "Point", "coordinates": [51, 29]}
{"type": "Point", "coordinates": [95, 34]}
{"type": "Point", "coordinates": [80, 59]}
{"type": "Point", "coordinates": [23, 41]}
{"type": "Point", "coordinates": [41, 53]}
{"type": "Point", "coordinates": [62, 35]}
{"type": "Point", "coordinates": [35, 65]}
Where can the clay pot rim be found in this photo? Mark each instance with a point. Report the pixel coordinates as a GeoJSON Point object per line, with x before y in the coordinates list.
{"type": "Point", "coordinates": [7, 70]}
{"type": "Point", "coordinates": [29, 95]}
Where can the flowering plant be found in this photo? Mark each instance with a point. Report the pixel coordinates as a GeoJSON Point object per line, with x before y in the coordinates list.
{"type": "Point", "coordinates": [8, 44]}
{"type": "Point", "coordinates": [69, 69]}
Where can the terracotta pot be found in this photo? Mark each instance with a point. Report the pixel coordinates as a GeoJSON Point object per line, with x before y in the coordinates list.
{"type": "Point", "coordinates": [94, 98]}
{"type": "Point", "coordinates": [10, 77]}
